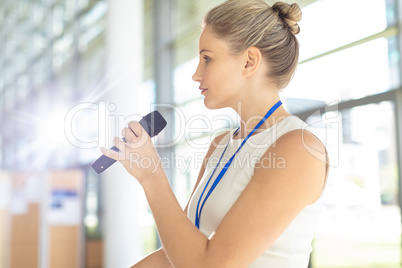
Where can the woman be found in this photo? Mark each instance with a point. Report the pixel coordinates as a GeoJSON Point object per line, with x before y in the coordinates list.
{"type": "Point", "coordinates": [258, 208]}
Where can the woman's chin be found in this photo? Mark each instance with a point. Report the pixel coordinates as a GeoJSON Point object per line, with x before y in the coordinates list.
{"type": "Point", "coordinates": [209, 105]}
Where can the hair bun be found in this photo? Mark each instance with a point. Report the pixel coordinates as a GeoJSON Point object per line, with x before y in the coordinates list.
{"type": "Point", "coordinates": [290, 14]}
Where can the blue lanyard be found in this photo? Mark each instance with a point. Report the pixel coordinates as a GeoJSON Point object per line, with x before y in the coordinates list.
{"type": "Point", "coordinates": [223, 171]}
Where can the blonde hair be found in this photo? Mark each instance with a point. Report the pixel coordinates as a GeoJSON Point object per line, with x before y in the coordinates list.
{"type": "Point", "coordinates": [248, 23]}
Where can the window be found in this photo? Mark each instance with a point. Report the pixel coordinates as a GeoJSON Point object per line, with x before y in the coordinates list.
{"type": "Point", "coordinates": [360, 223]}
{"type": "Point", "coordinates": [47, 58]}
{"type": "Point", "coordinates": [347, 74]}
{"type": "Point", "coordinates": [329, 24]}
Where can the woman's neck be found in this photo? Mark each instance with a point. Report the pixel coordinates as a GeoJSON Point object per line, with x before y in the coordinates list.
{"type": "Point", "coordinates": [251, 115]}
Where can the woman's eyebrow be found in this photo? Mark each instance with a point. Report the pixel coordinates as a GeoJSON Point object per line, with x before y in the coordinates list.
{"type": "Point", "coordinates": [204, 50]}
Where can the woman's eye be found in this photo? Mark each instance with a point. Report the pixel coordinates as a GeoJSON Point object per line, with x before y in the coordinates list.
{"type": "Point", "coordinates": [207, 59]}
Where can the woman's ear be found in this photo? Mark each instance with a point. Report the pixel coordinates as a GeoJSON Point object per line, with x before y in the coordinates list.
{"type": "Point", "coordinates": [253, 61]}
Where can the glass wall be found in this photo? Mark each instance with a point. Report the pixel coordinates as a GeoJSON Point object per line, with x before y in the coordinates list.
{"type": "Point", "coordinates": [52, 55]}
{"type": "Point", "coordinates": [360, 224]}
{"type": "Point", "coordinates": [343, 59]}
{"type": "Point", "coordinates": [52, 58]}
{"type": "Point", "coordinates": [346, 58]}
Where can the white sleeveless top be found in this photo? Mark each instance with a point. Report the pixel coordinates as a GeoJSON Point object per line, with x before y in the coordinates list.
{"type": "Point", "coordinates": [292, 248]}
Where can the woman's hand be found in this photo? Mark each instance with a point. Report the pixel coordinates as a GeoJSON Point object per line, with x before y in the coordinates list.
{"type": "Point", "coordinates": [138, 155]}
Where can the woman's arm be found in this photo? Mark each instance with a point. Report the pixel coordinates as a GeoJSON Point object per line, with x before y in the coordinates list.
{"type": "Point", "coordinates": [272, 199]}
{"type": "Point", "coordinates": [158, 258]}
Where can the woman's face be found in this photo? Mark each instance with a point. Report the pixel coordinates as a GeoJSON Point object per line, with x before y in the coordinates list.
{"type": "Point", "coordinates": [219, 71]}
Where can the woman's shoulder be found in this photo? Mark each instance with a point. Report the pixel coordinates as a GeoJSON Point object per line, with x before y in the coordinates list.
{"type": "Point", "coordinates": [292, 122]}
{"type": "Point", "coordinates": [304, 161]}
{"type": "Point", "coordinates": [293, 128]}
{"type": "Point", "coordinates": [216, 141]}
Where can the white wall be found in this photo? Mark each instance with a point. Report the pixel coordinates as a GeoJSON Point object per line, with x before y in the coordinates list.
{"type": "Point", "coordinates": [121, 192]}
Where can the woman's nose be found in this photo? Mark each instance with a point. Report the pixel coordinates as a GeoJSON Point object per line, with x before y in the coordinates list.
{"type": "Point", "coordinates": [196, 76]}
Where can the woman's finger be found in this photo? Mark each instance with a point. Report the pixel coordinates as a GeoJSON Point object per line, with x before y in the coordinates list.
{"type": "Point", "coordinates": [136, 128]}
{"type": "Point", "coordinates": [110, 153]}
{"type": "Point", "coordinates": [121, 145]}
{"type": "Point", "coordinates": [140, 136]}
{"type": "Point", "coordinates": [129, 135]}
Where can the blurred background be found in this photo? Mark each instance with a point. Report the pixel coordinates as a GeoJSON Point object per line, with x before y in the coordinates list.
{"type": "Point", "coordinates": [73, 72]}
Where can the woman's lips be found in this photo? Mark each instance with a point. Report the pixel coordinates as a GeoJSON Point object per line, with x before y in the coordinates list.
{"type": "Point", "coordinates": [203, 90]}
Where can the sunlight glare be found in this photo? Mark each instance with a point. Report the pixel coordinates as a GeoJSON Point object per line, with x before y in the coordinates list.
{"type": "Point", "coordinates": [52, 130]}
